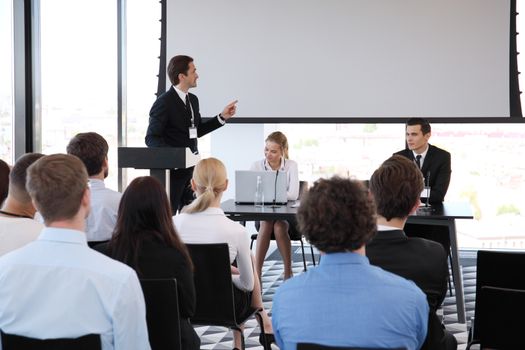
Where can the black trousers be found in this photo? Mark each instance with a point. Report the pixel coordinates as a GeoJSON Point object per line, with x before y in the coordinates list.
{"type": "Point", "coordinates": [180, 188]}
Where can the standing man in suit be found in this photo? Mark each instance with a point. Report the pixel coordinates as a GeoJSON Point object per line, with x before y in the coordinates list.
{"type": "Point", "coordinates": [396, 187]}
{"type": "Point", "coordinates": [175, 121]}
{"type": "Point", "coordinates": [434, 164]}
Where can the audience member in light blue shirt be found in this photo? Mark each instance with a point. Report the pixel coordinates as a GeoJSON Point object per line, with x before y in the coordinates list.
{"type": "Point", "coordinates": [92, 149]}
{"type": "Point", "coordinates": [345, 301]}
{"type": "Point", "coordinates": [56, 286]}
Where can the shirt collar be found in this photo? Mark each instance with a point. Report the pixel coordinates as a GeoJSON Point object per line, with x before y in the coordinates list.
{"type": "Point", "coordinates": [386, 228]}
{"type": "Point", "coordinates": [96, 184]}
{"type": "Point", "coordinates": [181, 94]}
{"type": "Point", "coordinates": [344, 258]}
{"type": "Point", "coordinates": [424, 154]}
{"type": "Point", "coordinates": [268, 167]}
{"type": "Point", "coordinates": [64, 235]}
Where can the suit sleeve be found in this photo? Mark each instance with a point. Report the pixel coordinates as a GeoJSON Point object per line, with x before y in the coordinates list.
{"type": "Point", "coordinates": [441, 181]}
{"type": "Point", "coordinates": [206, 127]}
{"type": "Point", "coordinates": [158, 118]}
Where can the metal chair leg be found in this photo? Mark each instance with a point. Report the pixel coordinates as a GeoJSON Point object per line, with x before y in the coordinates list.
{"type": "Point", "coordinates": [304, 258]}
{"type": "Point", "coordinates": [313, 256]}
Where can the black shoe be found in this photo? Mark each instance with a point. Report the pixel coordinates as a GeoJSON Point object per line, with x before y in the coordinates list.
{"type": "Point", "coordinates": [266, 339]}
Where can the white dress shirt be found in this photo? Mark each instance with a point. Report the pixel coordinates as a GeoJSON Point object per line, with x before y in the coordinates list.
{"type": "Point", "coordinates": [104, 209]}
{"type": "Point", "coordinates": [17, 232]}
{"type": "Point", "coordinates": [423, 156]}
{"type": "Point", "coordinates": [57, 287]}
{"type": "Point", "coordinates": [212, 226]}
{"type": "Point", "coordinates": [183, 95]}
{"type": "Point", "coordinates": [292, 171]}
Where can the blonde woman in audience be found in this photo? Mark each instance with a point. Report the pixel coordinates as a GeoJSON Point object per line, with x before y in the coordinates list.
{"type": "Point", "coordinates": [276, 158]}
{"type": "Point", "coordinates": [203, 221]}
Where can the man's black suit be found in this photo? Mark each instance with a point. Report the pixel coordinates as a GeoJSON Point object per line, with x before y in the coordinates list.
{"type": "Point", "coordinates": [436, 170]}
{"type": "Point", "coordinates": [422, 261]}
{"type": "Point", "coordinates": [169, 123]}
{"type": "Point", "coordinates": [157, 260]}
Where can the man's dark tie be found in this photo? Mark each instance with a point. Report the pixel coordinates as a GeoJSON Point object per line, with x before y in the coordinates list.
{"type": "Point", "coordinates": [418, 161]}
{"type": "Point", "coordinates": [188, 108]}
{"type": "Point", "coordinates": [194, 147]}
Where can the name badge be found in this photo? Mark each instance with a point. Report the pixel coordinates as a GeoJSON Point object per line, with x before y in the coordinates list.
{"type": "Point", "coordinates": [193, 132]}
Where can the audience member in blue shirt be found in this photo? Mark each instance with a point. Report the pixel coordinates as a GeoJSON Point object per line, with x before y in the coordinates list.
{"type": "Point", "coordinates": [345, 301]}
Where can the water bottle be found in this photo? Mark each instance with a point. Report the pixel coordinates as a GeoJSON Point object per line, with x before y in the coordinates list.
{"type": "Point", "coordinates": [258, 200]}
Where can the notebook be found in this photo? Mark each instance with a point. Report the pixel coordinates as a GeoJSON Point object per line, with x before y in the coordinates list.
{"type": "Point", "coordinates": [273, 183]}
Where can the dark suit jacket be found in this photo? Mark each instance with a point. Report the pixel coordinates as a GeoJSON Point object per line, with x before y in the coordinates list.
{"type": "Point", "coordinates": [156, 260]}
{"type": "Point", "coordinates": [420, 260]}
{"type": "Point", "coordinates": [437, 166]}
{"type": "Point", "coordinates": [169, 122]}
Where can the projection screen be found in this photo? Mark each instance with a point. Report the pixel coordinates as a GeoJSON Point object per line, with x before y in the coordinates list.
{"type": "Point", "coordinates": [347, 58]}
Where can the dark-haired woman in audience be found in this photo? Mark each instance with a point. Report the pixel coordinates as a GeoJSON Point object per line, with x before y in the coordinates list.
{"type": "Point", "coordinates": [145, 239]}
{"type": "Point", "coordinates": [203, 221]}
{"type": "Point", "coordinates": [4, 180]}
{"type": "Point", "coordinates": [276, 158]}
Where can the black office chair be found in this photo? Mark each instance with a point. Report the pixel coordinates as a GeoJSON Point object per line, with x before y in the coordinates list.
{"type": "Point", "coordinates": [293, 231]}
{"type": "Point", "coordinates": [309, 346]}
{"type": "Point", "coordinates": [162, 313]}
{"type": "Point", "coordinates": [18, 342]}
{"type": "Point", "coordinates": [498, 270]}
{"type": "Point", "coordinates": [501, 317]}
{"type": "Point", "coordinates": [214, 289]}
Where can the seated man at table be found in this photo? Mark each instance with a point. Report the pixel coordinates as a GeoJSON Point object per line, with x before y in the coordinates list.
{"type": "Point", "coordinates": [345, 301]}
{"type": "Point", "coordinates": [395, 187]}
{"type": "Point", "coordinates": [434, 164]}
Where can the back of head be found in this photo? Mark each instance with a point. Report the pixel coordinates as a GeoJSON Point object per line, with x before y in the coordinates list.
{"type": "Point", "coordinates": [18, 177]}
{"type": "Point", "coordinates": [396, 186]}
{"type": "Point", "coordinates": [57, 184]}
{"type": "Point", "coordinates": [425, 125]}
{"type": "Point", "coordinates": [144, 214]}
{"type": "Point", "coordinates": [177, 65]}
{"type": "Point", "coordinates": [337, 215]}
{"type": "Point", "coordinates": [4, 180]}
{"type": "Point", "coordinates": [90, 148]}
{"type": "Point", "coordinates": [280, 139]}
{"type": "Point", "coordinates": [210, 181]}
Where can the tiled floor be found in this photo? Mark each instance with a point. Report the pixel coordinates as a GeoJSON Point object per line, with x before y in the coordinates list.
{"type": "Point", "coordinates": [221, 338]}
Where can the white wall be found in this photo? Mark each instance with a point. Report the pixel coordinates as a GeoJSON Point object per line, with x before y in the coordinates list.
{"type": "Point", "coordinates": [237, 146]}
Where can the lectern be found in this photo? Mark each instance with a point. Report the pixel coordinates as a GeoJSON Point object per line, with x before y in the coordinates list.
{"type": "Point", "coordinates": [156, 159]}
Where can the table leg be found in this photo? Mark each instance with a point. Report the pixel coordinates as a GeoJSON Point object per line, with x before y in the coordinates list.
{"type": "Point", "coordinates": [458, 277]}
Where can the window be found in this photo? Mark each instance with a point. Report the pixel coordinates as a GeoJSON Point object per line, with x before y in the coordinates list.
{"type": "Point", "coordinates": [6, 81]}
{"type": "Point", "coordinates": [79, 74]}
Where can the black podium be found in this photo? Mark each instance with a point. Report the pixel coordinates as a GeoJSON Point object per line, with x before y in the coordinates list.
{"type": "Point", "coordinates": [156, 159]}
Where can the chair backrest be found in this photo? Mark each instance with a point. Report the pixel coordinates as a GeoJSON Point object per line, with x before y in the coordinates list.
{"type": "Point", "coordinates": [309, 346]}
{"type": "Point", "coordinates": [162, 313]}
{"type": "Point", "coordinates": [213, 285]}
{"type": "Point", "coordinates": [501, 318]}
{"type": "Point", "coordinates": [497, 269]}
{"type": "Point", "coordinates": [17, 342]}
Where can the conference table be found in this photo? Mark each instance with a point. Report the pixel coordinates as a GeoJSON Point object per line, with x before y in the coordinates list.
{"type": "Point", "coordinates": [440, 215]}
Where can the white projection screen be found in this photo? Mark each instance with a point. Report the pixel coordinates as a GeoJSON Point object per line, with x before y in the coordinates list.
{"type": "Point", "coordinates": [346, 58]}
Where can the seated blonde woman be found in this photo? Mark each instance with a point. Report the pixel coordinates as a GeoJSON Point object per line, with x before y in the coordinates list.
{"type": "Point", "coordinates": [203, 221]}
{"type": "Point", "coordinates": [276, 158]}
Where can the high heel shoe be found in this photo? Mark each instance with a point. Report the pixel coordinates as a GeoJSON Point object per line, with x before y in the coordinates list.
{"type": "Point", "coordinates": [266, 339]}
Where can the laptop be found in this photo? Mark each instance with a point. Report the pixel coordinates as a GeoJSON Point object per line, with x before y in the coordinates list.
{"type": "Point", "coordinates": [273, 183]}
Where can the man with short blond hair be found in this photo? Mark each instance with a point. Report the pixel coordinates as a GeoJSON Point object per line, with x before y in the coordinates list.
{"type": "Point", "coordinates": [17, 224]}
{"type": "Point", "coordinates": [57, 286]}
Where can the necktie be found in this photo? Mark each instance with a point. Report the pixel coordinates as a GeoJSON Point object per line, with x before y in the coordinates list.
{"type": "Point", "coordinates": [418, 161]}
